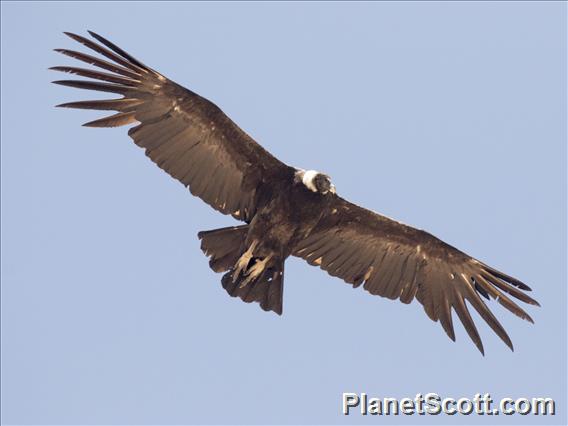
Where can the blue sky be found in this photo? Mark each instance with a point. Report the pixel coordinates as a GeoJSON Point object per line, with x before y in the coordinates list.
{"type": "Point", "coordinates": [447, 116]}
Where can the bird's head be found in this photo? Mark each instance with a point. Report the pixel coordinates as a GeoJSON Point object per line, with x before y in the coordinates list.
{"type": "Point", "coordinates": [315, 181]}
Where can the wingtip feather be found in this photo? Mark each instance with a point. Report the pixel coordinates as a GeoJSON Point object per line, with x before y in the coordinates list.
{"type": "Point", "coordinates": [115, 120]}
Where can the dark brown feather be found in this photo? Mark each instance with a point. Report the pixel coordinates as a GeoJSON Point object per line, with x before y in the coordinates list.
{"type": "Point", "coordinates": [97, 75]}
{"type": "Point", "coordinates": [121, 105]}
{"type": "Point", "coordinates": [134, 66]}
{"type": "Point", "coordinates": [118, 50]}
{"type": "Point", "coordinates": [91, 85]}
{"type": "Point", "coordinates": [116, 120]}
{"type": "Point", "coordinates": [196, 143]}
{"type": "Point", "coordinates": [394, 260]}
{"type": "Point", "coordinates": [183, 133]}
{"type": "Point", "coordinates": [92, 60]}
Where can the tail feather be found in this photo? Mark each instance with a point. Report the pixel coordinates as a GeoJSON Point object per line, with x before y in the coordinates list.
{"type": "Point", "coordinates": [266, 290]}
{"type": "Point", "coordinates": [224, 247]}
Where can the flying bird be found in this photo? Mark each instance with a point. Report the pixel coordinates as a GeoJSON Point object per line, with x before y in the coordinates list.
{"type": "Point", "coordinates": [286, 211]}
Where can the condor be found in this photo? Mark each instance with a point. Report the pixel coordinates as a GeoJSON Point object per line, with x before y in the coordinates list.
{"type": "Point", "coordinates": [286, 211]}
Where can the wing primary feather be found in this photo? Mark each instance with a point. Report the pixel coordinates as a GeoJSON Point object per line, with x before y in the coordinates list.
{"type": "Point", "coordinates": [91, 85]}
{"type": "Point", "coordinates": [116, 120]}
{"type": "Point", "coordinates": [103, 105]}
{"type": "Point", "coordinates": [92, 60]}
{"type": "Point", "coordinates": [408, 264]}
{"type": "Point", "coordinates": [506, 277]}
{"type": "Point", "coordinates": [486, 314]}
{"type": "Point", "coordinates": [105, 52]}
{"type": "Point", "coordinates": [481, 290]}
{"type": "Point", "coordinates": [508, 288]}
{"type": "Point", "coordinates": [98, 75]}
{"type": "Point", "coordinates": [514, 308]}
{"type": "Point", "coordinates": [467, 321]}
{"type": "Point", "coordinates": [118, 50]}
{"type": "Point", "coordinates": [446, 319]}
{"type": "Point", "coordinates": [176, 126]}
{"type": "Point", "coordinates": [505, 301]}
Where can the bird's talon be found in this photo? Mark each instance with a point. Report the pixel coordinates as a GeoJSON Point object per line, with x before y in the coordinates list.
{"type": "Point", "coordinates": [255, 271]}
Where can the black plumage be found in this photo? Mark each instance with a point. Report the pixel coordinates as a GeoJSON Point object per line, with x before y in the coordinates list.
{"type": "Point", "coordinates": [287, 211]}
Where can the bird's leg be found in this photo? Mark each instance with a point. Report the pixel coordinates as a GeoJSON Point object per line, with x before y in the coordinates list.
{"type": "Point", "coordinates": [254, 272]}
{"type": "Point", "coordinates": [244, 260]}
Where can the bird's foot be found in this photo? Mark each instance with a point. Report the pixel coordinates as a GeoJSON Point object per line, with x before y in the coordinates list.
{"type": "Point", "coordinates": [255, 271]}
{"type": "Point", "coordinates": [243, 261]}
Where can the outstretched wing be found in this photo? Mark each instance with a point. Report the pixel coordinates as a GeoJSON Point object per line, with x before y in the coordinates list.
{"type": "Point", "coordinates": [184, 134]}
{"type": "Point", "coordinates": [397, 261]}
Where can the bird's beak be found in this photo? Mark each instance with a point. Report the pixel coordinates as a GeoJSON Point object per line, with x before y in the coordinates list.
{"type": "Point", "coordinates": [332, 188]}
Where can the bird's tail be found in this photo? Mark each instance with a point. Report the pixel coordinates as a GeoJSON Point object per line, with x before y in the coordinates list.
{"type": "Point", "coordinates": [224, 246]}
{"type": "Point", "coordinates": [263, 284]}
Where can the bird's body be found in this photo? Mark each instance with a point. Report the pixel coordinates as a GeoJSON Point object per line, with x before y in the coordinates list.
{"type": "Point", "coordinates": [286, 211]}
{"type": "Point", "coordinates": [255, 265]}
{"type": "Point", "coordinates": [288, 217]}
